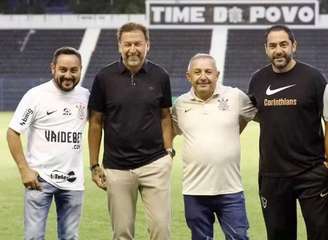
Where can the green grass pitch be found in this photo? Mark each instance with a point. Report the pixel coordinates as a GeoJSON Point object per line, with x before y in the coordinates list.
{"type": "Point", "coordinates": [95, 222]}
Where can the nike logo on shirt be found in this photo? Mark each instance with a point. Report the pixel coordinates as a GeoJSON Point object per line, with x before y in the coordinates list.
{"type": "Point", "coordinates": [323, 194]}
{"type": "Point", "coordinates": [51, 112]}
{"type": "Point", "coordinates": [274, 91]}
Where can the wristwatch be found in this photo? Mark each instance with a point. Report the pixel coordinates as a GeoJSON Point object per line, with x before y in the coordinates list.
{"type": "Point", "coordinates": [170, 151]}
{"type": "Point", "coordinates": [94, 166]}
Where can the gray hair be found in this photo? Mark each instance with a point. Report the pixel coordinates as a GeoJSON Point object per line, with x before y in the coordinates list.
{"type": "Point", "coordinates": [198, 56]}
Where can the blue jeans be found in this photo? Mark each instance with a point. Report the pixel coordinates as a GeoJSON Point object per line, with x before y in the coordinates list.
{"type": "Point", "coordinates": [37, 204]}
{"type": "Point", "coordinates": [230, 210]}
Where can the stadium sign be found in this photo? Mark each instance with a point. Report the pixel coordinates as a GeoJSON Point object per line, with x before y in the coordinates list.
{"type": "Point", "coordinates": [232, 12]}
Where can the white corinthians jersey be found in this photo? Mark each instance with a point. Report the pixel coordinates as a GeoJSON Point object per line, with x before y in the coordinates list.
{"type": "Point", "coordinates": [55, 121]}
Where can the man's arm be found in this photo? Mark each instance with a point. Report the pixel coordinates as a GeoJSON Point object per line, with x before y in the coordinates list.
{"type": "Point", "coordinates": [166, 123]}
{"type": "Point", "coordinates": [29, 176]}
{"type": "Point", "coordinates": [94, 140]}
{"type": "Point", "coordinates": [247, 110]}
{"type": "Point", "coordinates": [242, 124]}
{"type": "Point", "coordinates": [326, 143]}
{"type": "Point", "coordinates": [175, 127]}
{"type": "Point", "coordinates": [325, 118]}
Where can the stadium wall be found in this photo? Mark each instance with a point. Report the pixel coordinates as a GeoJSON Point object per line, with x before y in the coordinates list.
{"type": "Point", "coordinates": [91, 23]}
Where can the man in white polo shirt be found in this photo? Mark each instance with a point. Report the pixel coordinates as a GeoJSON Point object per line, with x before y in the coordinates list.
{"type": "Point", "coordinates": [210, 117]}
{"type": "Point", "coordinates": [55, 114]}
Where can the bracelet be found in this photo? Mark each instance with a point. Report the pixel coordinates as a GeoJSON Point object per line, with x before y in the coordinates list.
{"type": "Point", "coordinates": [94, 166]}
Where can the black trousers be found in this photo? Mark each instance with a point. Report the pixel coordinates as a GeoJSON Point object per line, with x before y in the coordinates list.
{"type": "Point", "coordinates": [278, 197]}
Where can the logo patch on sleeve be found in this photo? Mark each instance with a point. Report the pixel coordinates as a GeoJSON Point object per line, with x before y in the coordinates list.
{"type": "Point", "coordinates": [27, 114]}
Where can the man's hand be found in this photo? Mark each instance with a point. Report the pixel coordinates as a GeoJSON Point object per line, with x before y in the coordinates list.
{"type": "Point", "coordinates": [30, 179]}
{"type": "Point", "coordinates": [325, 163]}
{"type": "Point", "coordinates": [98, 176]}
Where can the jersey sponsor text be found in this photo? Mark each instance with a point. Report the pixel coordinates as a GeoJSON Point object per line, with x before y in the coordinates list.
{"type": "Point", "coordinates": [280, 102]}
{"type": "Point", "coordinates": [63, 137]}
{"type": "Point", "coordinates": [27, 114]}
{"type": "Point", "coordinates": [59, 176]}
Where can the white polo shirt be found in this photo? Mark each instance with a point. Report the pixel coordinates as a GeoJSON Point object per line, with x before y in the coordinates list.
{"type": "Point", "coordinates": [55, 122]}
{"type": "Point", "coordinates": [211, 150]}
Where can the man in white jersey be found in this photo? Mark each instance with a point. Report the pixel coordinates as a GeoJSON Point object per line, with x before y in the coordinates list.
{"type": "Point", "coordinates": [210, 117]}
{"type": "Point", "coordinates": [54, 113]}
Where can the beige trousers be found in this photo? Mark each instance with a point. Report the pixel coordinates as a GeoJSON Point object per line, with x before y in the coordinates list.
{"type": "Point", "coordinates": [152, 181]}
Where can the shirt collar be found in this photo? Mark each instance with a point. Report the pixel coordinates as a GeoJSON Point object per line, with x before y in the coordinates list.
{"type": "Point", "coordinates": [215, 94]}
{"type": "Point", "coordinates": [122, 68]}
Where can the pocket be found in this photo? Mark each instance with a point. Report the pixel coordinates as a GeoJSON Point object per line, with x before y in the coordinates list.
{"type": "Point", "coordinates": [163, 161]}
{"type": "Point", "coordinates": [163, 165]}
{"type": "Point", "coordinates": [169, 162]}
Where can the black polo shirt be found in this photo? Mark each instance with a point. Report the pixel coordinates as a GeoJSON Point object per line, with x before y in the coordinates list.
{"type": "Point", "coordinates": [131, 105]}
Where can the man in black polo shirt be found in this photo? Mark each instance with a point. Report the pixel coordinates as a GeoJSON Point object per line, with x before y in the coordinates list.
{"type": "Point", "coordinates": [130, 100]}
{"type": "Point", "coordinates": [289, 96]}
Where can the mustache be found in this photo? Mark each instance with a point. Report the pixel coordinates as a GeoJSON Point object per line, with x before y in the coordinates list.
{"type": "Point", "coordinates": [133, 55]}
{"type": "Point", "coordinates": [203, 81]}
{"type": "Point", "coordinates": [63, 78]}
{"type": "Point", "coordinates": [279, 56]}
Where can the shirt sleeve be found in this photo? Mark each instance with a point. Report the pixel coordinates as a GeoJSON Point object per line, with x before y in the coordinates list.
{"type": "Point", "coordinates": [246, 108]}
{"type": "Point", "coordinates": [96, 99]}
{"type": "Point", "coordinates": [251, 90]}
{"type": "Point", "coordinates": [320, 89]}
{"type": "Point", "coordinates": [24, 114]}
{"type": "Point", "coordinates": [166, 101]}
{"type": "Point", "coordinates": [176, 128]}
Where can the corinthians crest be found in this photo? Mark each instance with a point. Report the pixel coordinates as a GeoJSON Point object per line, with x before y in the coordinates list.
{"type": "Point", "coordinates": [223, 104]}
{"type": "Point", "coordinates": [81, 110]}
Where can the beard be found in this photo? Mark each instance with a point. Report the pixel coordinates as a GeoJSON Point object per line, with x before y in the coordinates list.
{"type": "Point", "coordinates": [134, 60]}
{"type": "Point", "coordinates": [281, 61]}
{"type": "Point", "coordinates": [66, 84]}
